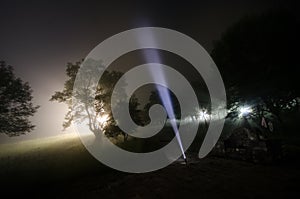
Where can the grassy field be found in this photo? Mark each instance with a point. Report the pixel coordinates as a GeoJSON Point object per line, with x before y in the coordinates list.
{"type": "Point", "coordinates": [45, 160]}
{"type": "Point", "coordinates": [60, 167]}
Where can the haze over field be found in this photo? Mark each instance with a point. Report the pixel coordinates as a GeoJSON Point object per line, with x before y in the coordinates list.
{"type": "Point", "coordinates": [40, 38]}
{"type": "Point", "coordinates": [61, 167]}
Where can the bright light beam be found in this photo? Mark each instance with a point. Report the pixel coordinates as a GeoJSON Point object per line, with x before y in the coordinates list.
{"type": "Point", "coordinates": [164, 94]}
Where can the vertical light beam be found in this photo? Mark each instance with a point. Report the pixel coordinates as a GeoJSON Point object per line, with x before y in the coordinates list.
{"type": "Point", "coordinates": [164, 94]}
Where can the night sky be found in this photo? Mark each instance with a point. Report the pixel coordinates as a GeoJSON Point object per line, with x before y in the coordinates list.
{"type": "Point", "coordinates": [38, 38]}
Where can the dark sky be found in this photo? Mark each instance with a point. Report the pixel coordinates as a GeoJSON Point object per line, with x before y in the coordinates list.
{"type": "Point", "coordinates": [38, 38]}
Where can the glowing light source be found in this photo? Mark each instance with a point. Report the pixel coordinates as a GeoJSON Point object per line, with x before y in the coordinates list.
{"type": "Point", "coordinates": [203, 115]}
{"type": "Point", "coordinates": [103, 120]}
{"type": "Point", "coordinates": [244, 111]}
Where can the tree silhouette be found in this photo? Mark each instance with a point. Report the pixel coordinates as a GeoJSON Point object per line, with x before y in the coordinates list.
{"type": "Point", "coordinates": [259, 63]}
{"type": "Point", "coordinates": [15, 103]}
{"type": "Point", "coordinates": [96, 108]}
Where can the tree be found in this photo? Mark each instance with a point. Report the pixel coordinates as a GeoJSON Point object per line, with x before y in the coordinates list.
{"type": "Point", "coordinates": [15, 103]}
{"type": "Point", "coordinates": [96, 108]}
{"type": "Point", "coordinates": [258, 62]}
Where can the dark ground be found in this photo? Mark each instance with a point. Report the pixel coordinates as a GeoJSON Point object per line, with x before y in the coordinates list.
{"type": "Point", "coordinates": [62, 168]}
{"type": "Point", "coordinates": [208, 178]}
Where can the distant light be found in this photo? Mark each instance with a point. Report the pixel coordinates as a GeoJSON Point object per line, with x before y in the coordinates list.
{"type": "Point", "coordinates": [244, 111]}
{"type": "Point", "coordinates": [103, 120]}
{"type": "Point", "coordinates": [203, 115]}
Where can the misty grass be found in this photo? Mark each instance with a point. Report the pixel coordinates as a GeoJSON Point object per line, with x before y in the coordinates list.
{"type": "Point", "coordinates": [48, 159]}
